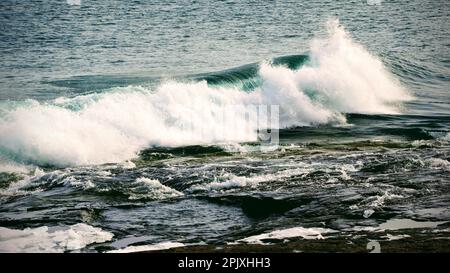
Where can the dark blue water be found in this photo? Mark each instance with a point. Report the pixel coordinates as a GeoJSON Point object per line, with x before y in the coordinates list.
{"type": "Point", "coordinates": [95, 99]}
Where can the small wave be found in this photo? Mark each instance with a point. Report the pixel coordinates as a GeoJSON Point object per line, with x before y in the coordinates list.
{"type": "Point", "coordinates": [446, 137]}
{"type": "Point", "coordinates": [408, 133]}
{"type": "Point", "coordinates": [400, 224]}
{"type": "Point", "coordinates": [141, 248]}
{"type": "Point", "coordinates": [141, 189]}
{"type": "Point", "coordinates": [439, 163]}
{"type": "Point", "coordinates": [17, 188]}
{"type": "Point", "coordinates": [246, 77]}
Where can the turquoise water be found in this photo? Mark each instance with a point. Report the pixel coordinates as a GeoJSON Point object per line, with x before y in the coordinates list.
{"type": "Point", "coordinates": [95, 98]}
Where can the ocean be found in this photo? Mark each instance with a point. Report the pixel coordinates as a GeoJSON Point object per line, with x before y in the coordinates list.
{"type": "Point", "coordinates": [195, 125]}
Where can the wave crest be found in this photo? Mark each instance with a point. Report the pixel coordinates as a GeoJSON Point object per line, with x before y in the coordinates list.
{"type": "Point", "coordinates": [339, 77]}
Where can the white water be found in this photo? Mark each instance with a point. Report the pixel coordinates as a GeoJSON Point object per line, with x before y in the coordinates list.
{"type": "Point", "coordinates": [305, 233]}
{"type": "Point", "coordinates": [42, 239]}
{"type": "Point", "coordinates": [155, 190]}
{"type": "Point", "coordinates": [114, 126]}
{"type": "Point", "coordinates": [141, 248]}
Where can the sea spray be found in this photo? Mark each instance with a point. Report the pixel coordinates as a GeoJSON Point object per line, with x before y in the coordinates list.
{"type": "Point", "coordinates": [341, 77]}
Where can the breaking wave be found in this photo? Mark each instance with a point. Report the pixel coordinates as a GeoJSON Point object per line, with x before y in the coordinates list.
{"type": "Point", "coordinates": [337, 76]}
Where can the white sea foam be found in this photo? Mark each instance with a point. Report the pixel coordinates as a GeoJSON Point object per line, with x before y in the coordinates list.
{"type": "Point", "coordinates": [84, 184]}
{"type": "Point", "coordinates": [391, 237]}
{"type": "Point", "coordinates": [446, 137]}
{"type": "Point", "coordinates": [439, 163]}
{"type": "Point", "coordinates": [114, 126]}
{"type": "Point", "coordinates": [228, 180]}
{"type": "Point", "coordinates": [399, 224]}
{"type": "Point", "coordinates": [42, 239]}
{"type": "Point", "coordinates": [368, 212]}
{"type": "Point", "coordinates": [8, 166]}
{"type": "Point", "coordinates": [154, 190]}
{"type": "Point", "coordinates": [379, 200]}
{"type": "Point", "coordinates": [305, 233]}
{"type": "Point", "coordinates": [159, 246]}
